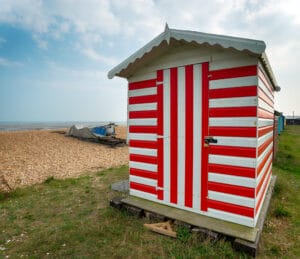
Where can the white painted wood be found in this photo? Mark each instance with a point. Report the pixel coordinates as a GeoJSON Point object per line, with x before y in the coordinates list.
{"type": "Point", "coordinates": [142, 76]}
{"type": "Point", "coordinates": [143, 122]}
{"type": "Point", "coordinates": [232, 179]}
{"type": "Point", "coordinates": [262, 156]}
{"type": "Point", "coordinates": [143, 166]}
{"type": "Point", "coordinates": [229, 198]}
{"type": "Point", "coordinates": [261, 191]}
{"type": "Point", "coordinates": [235, 141]}
{"type": "Point", "coordinates": [264, 138]}
{"type": "Point", "coordinates": [264, 122]}
{"type": "Point", "coordinates": [142, 92]}
{"type": "Point", "coordinates": [232, 160]}
{"type": "Point", "coordinates": [265, 88]}
{"type": "Point", "coordinates": [246, 221]}
{"type": "Point", "coordinates": [143, 151]}
{"type": "Point", "coordinates": [181, 135]}
{"type": "Point", "coordinates": [233, 102]}
{"type": "Point", "coordinates": [197, 133]}
{"type": "Point", "coordinates": [264, 105]}
{"type": "Point", "coordinates": [233, 82]}
{"type": "Point", "coordinates": [264, 169]}
{"type": "Point", "coordinates": [166, 140]}
{"type": "Point", "coordinates": [142, 107]}
{"type": "Point", "coordinates": [232, 61]}
{"type": "Point", "coordinates": [143, 195]}
{"type": "Point", "coordinates": [142, 136]}
{"type": "Point", "coordinates": [233, 122]}
{"type": "Point", "coordinates": [143, 180]}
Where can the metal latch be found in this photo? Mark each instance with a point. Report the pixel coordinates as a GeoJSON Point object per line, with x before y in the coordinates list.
{"type": "Point", "coordinates": [209, 139]}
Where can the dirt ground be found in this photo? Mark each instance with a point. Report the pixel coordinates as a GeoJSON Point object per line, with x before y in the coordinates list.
{"type": "Point", "coordinates": [29, 157]}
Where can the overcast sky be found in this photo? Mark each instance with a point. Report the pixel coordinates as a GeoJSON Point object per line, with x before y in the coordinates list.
{"type": "Point", "coordinates": [55, 54]}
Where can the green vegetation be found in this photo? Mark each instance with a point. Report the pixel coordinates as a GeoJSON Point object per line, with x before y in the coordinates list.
{"type": "Point", "coordinates": [72, 218]}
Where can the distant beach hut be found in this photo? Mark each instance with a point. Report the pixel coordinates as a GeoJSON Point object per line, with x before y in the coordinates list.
{"type": "Point", "coordinates": [200, 123]}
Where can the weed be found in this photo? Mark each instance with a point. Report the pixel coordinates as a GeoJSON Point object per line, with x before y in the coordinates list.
{"type": "Point", "coordinates": [183, 234]}
{"type": "Point", "coordinates": [49, 180]}
{"type": "Point", "coordinates": [280, 211]}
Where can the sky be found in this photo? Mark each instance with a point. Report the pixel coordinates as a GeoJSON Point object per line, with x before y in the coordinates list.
{"type": "Point", "coordinates": [55, 54]}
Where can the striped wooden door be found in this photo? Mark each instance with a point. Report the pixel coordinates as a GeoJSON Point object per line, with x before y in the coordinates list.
{"type": "Point", "coordinates": [182, 126]}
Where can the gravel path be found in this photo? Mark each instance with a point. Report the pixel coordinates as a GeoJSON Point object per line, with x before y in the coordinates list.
{"type": "Point", "coordinates": [29, 157]}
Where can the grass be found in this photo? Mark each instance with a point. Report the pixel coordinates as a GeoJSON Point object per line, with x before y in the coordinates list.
{"type": "Point", "coordinates": [72, 218]}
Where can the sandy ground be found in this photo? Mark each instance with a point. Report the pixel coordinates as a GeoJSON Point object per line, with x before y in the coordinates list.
{"type": "Point", "coordinates": [28, 157]}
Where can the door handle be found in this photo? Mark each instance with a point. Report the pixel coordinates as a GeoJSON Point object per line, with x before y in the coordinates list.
{"type": "Point", "coordinates": [209, 139]}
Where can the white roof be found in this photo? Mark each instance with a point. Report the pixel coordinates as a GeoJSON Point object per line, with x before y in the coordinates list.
{"type": "Point", "coordinates": [255, 47]}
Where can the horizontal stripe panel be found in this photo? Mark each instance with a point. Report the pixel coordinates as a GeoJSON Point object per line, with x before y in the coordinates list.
{"type": "Point", "coordinates": [232, 180]}
{"type": "Point", "coordinates": [232, 160]}
{"type": "Point", "coordinates": [143, 187]}
{"type": "Point", "coordinates": [233, 82]}
{"type": "Point", "coordinates": [233, 199]}
{"type": "Point", "coordinates": [261, 195]}
{"type": "Point", "coordinates": [263, 162]}
{"type": "Point", "coordinates": [265, 130]}
{"type": "Point", "coordinates": [142, 84]}
{"type": "Point", "coordinates": [142, 158]}
{"type": "Point", "coordinates": [232, 170]}
{"type": "Point", "coordinates": [232, 189]}
{"type": "Point", "coordinates": [142, 136]}
{"type": "Point", "coordinates": [141, 92]}
{"type": "Point", "coordinates": [262, 76]}
{"type": "Point", "coordinates": [265, 89]}
{"type": "Point", "coordinates": [143, 195]}
{"type": "Point", "coordinates": [234, 141]}
{"type": "Point", "coordinates": [142, 180]}
{"type": "Point", "coordinates": [232, 151]}
{"type": "Point", "coordinates": [264, 122]}
{"type": "Point", "coordinates": [143, 114]}
{"type": "Point", "coordinates": [143, 143]}
{"type": "Point", "coordinates": [265, 137]}
{"type": "Point", "coordinates": [234, 122]}
{"type": "Point", "coordinates": [143, 166]}
{"type": "Point", "coordinates": [143, 151]}
{"type": "Point", "coordinates": [268, 160]}
{"type": "Point", "coordinates": [264, 146]}
{"type": "Point", "coordinates": [233, 131]}
{"type": "Point", "coordinates": [264, 175]}
{"type": "Point", "coordinates": [142, 107]}
{"type": "Point", "coordinates": [261, 94]}
{"type": "Point", "coordinates": [142, 129]}
{"type": "Point", "coordinates": [261, 113]}
{"type": "Point", "coordinates": [142, 122]}
{"type": "Point", "coordinates": [143, 173]}
{"type": "Point", "coordinates": [233, 112]}
{"type": "Point", "coordinates": [233, 72]}
{"type": "Point", "coordinates": [233, 102]}
{"type": "Point", "coordinates": [264, 153]}
{"type": "Point", "coordinates": [143, 99]}
{"type": "Point", "coordinates": [233, 92]}
{"type": "Point", "coordinates": [262, 104]}
{"type": "Point", "coordinates": [237, 209]}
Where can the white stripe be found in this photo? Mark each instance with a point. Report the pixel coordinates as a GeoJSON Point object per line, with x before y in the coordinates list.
{"type": "Point", "coordinates": [265, 88]}
{"type": "Point", "coordinates": [143, 122]}
{"type": "Point", "coordinates": [229, 198]}
{"type": "Point", "coordinates": [232, 179]}
{"type": "Point", "coordinates": [238, 219]}
{"type": "Point", "coordinates": [233, 82]}
{"type": "Point", "coordinates": [197, 133]}
{"type": "Point", "coordinates": [181, 135]}
{"type": "Point", "coordinates": [264, 105]}
{"type": "Point", "coordinates": [142, 107]}
{"type": "Point", "coordinates": [235, 141]}
{"type": "Point", "coordinates": [166, 119]}
{"type": "Point", "coordinates": [264, 122]}
{"type": "Point", "coordinates": [262, 156]}
{"type": "Point", "coordinates": [143, 151]}
{"type": "Point", "coordinates": [232, 160]}
{"type": "Point", "coordinates": [143, 166]}
{"type": "Point", "coordinates": [143, 180]}
{"type": "Point", "coordinates": [143, 136]}
{"type": "Point", "coordinates": [234, 122]}
{"type": "Point", "coordinates": [144, 195]}
{"type": "Point", "coordinates": [264, 138]}
{"type": "Point", "coordinates": [261, 191]}
{"type": "Point", "coordinates": [233, 102]}
{"type": "Point", "coordinates": [142, 92]}
{"type": "Point", "coordinates": [264, 169]}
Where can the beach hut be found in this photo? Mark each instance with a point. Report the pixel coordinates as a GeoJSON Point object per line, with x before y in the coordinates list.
{"type": "Point", "coordinates": [200, 123]}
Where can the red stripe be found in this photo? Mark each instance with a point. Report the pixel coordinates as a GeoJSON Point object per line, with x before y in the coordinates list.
{"type": "Point", "coordinates": [233, 112]}
{"type": "Point", "coordinates": [233, 72]}
{"type": "Point", "coordinates": [189, 136]}
{"type": "Point", "coordinates": [232, 208]}
{"type": "Point", "coordinates": [142, 84]}
{"type": "Point", "coordinates": [232, 151]}
{"type": "Point", "coordinates": [143, 99]}
{"type": "Point", "coordinates": [232, 189]}
{"type": "Point", "coordinates": [261, 94]}
{"type": "Point", "coordinates": [160, 131]}
{"type": "Point", "coordinates": [264, 130]}
{"type": "Point", "coordinates": [142, 158]}
{"type": "Point", "coordinates": [263, 162]}
{"type": "Point", "coordinates": [263, 146]}
{"type": "Point", "coordinates": [143, 187]}
{"type": "Point", "coordinates": [261, 113]}
{"type": "Point", "coordinates": [143, 173]}
{"type": "Point", "coordinates": [174, 136]}
{"type": "Point", "coordinates": [204, 151]}
{"type": "Point", "coordinates": [143, 143]}
{"type": "Point", "coordinates": [143, 129]}
{"type": "Point", "coordinates": [258, 187]}
{"type": "Point", "coordinates": [232, 170]}
{"type": "Point", "coordinates": [142, 114]}
{"type": "Point", "coordinates": [233, 92]}
{"type": "Point", "coordinates": [263, 78]}
{"type": "Point", "coordinates": [257, 207]}
{"type": "Point", "coordinates": [233, 131]}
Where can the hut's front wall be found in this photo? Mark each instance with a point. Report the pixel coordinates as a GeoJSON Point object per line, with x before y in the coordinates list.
{"type": "Point", "coordinates": [169, 162]}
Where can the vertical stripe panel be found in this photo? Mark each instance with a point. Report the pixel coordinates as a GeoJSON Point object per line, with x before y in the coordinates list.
{"type": "Point", "coordinates": [181, 135]}
{"type": "Point", "coordinates": [197, 137]}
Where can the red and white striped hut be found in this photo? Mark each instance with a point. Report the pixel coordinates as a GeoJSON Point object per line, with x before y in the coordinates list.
{"type": "Point", "coordinates": [200, 123]}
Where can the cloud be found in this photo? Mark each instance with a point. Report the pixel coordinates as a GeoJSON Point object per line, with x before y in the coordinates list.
{"type": "Point", "coordinates": [2, 41]}
{"type": "Point", "coordinates": [9, 63]}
